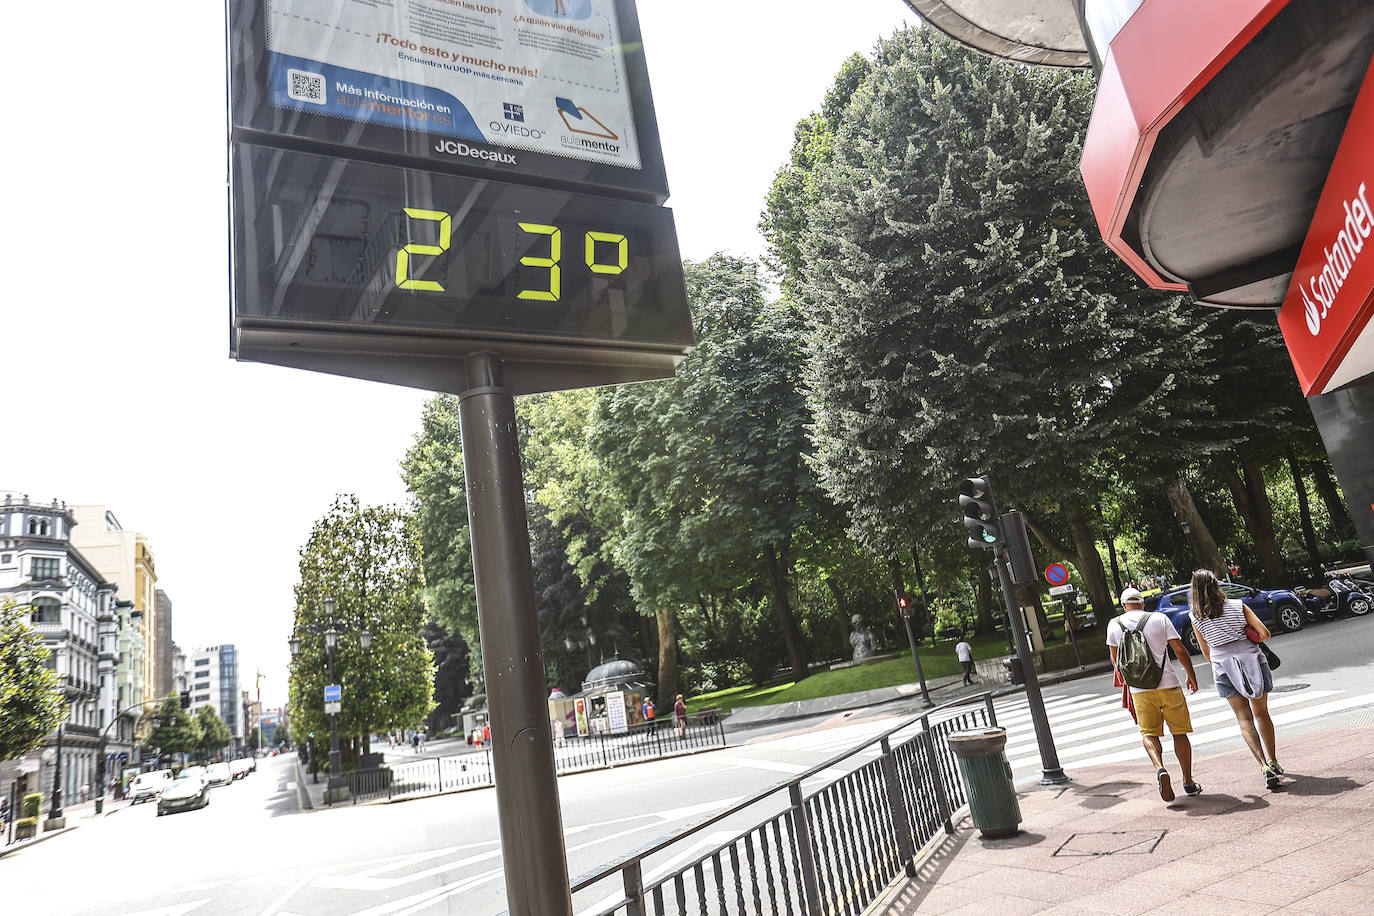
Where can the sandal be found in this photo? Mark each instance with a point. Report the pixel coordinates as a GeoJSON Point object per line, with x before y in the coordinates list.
{"type": "Point", "coordinates": [1166, 791]}
{"type": "Point", "coordinates": [1192, 788]}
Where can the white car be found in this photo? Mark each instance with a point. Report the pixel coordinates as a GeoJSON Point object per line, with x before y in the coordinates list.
{"type": "Point", "coordinates": [239, 767]}
{"type": "Point", "coordinates": [198, 771]}
{"type": "Point", "coordinates": [148, 785]}
{"type": "Point", "coordinates": [219, 774]}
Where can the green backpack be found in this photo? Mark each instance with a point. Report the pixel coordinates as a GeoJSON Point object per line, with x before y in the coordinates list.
{"type": "Point", "coordinates": [1135, 661]}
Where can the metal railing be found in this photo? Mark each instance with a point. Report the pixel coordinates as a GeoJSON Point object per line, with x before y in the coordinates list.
{"type": "Point", "coordinates": [831, 852]}
{"type": "Point", "coordinates": [435, 775]}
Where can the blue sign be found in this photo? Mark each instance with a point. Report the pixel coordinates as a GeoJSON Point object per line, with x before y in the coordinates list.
{"type": "Point", "coordinates": [1056, 574]}
{"type": "Point", "coordinates": [333, 693]}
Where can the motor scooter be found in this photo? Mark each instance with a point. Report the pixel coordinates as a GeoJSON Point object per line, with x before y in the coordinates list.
{"type": "Point", "coordinates": [1342, 595]}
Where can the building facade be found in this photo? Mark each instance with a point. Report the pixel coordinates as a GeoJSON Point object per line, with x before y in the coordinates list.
{"type": "Point", "coordinates": [126, 559]}
{"type": "Point", "coordinates": [163, 646]}
{"type": "Point", "coordinates": [73, 609]}
{"type": "Point", "coordinates": [212, 676]}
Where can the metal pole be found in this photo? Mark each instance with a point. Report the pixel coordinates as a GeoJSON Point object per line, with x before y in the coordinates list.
{"type": "Point", "coordinates": [56, 809]}
{"type": "Point", "coordinates": [1073, 636]}
{"type": "Point", "coordinates": [335, 763]}
{"type": "Point", "coordinates": [1051, 773]}
{"type": "Point", "coordinates": [916, 657]}
{"type": "Point", "coordinates": [536, 867]}
{"type": "Point", "coordinates": [100, 776]}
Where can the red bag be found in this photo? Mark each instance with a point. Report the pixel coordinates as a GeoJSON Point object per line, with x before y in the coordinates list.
{"type": "Point", "coordinates": [1127, 703]}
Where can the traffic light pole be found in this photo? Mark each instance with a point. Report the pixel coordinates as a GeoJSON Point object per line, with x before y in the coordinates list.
{"type": "Point", "coordinates": [531, 823]}
{"type": "Point", "coordinates": [1051, 773]}
{"type": "Point", "coordinates": [916, 657]}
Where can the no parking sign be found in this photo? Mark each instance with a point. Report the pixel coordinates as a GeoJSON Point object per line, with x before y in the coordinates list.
{"type": "Point", "coordinates": [1056, 574]}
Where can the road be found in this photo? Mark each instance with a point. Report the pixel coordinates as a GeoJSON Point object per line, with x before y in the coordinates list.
{"type": "Point", "coordinates": [252, 852]}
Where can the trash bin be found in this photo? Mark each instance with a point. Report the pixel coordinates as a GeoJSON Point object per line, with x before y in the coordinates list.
{"type": "Point", "coordinates": [991, 796]}
{"type": "Point", "coordinates": [1015, 673]}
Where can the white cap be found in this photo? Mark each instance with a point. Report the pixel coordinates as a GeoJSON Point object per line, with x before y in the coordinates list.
{"type": "Point", "coordinates": [1131, 594]}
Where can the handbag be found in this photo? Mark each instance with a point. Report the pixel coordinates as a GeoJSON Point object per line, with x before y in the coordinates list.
{"type": "Point", "coordinates": [1269, 655]}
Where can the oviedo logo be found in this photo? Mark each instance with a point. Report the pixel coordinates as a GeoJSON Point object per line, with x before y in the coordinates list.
{"type": "Point", "coordinates": [1326, 284]}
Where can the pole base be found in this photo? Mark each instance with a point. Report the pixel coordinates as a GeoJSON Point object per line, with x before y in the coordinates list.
{"type": "Point", "coordinates": [1054, 777]}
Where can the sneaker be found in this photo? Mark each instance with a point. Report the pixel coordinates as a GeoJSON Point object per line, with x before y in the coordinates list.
{"type": "Point", "coordinates": [1271, 778]}
{"type": "Point", "coordinates": [1274, 765]}
{"type": "Point", "coordinates": [1192, 788]}
{"type": "Point", "coordinates": [1166, 791]}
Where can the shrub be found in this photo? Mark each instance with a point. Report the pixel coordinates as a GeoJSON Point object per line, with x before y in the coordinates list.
{"type": "Point", "coordinates": [26, 826]}
{"type": "Point", "coordinates": [32, 804]}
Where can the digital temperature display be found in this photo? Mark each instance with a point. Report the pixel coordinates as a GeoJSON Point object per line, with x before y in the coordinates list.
{"type": "Point", "coordinates": [322, 242]}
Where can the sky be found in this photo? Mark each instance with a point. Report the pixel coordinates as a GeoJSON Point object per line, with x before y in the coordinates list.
{"type": "Point", "coordinates": [115, 320]}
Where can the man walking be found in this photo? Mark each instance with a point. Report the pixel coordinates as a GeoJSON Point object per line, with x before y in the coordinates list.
{"type": "Point", "coordinates": [1164, 703]}
{"type": "Point", "coordinates": [965, 653]}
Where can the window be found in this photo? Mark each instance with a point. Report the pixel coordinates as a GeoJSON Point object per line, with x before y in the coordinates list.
{"type": "Point", "coordinates": [203, 698]}
{"type": "Point", "coordinates": [45, 568]}
{"type": "Point", "coordinates": [6, 557]}
{"type": "Point", "coordinates": [202, 662]}
{"type": "Point", "coordinates": [46, 610]}
{"type": "Point", "coordinates": [1231, 590]}
{"type": "Point", "coordinates": [203, 685]}
{"type": "Point", "coordinates": [38, 527]}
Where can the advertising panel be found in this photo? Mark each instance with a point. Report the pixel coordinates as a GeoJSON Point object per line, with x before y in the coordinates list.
{"type": "Point", "coordinates": [1331, 295]}
{"type": "Point", "coordinates": [615, 713]}
{"type": "Point", "coordinates": [554, 88]}
{"type": "Point", "coordinates": [580, 712]}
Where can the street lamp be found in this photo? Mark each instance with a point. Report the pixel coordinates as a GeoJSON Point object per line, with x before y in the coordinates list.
{"type": "Point", "coordinates": [330, 631]}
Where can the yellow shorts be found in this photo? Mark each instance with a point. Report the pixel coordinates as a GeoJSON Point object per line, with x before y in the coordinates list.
{"type": "Point", "coordinates": [1155, 707]}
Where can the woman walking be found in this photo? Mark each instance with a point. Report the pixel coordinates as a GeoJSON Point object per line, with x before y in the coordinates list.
{"type": "Point", "coordinates": [1240, 669]}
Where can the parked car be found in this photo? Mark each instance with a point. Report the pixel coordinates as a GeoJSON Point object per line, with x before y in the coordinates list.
{"type": "Point", "coordinates": [147, 785]}
{"type": "Point", "coordinates": [219, 774]}
{"type": "Point", "coordinates": [197, 771]}
{"type": "Point", "coordinates": [1278, 609]}
{"type": "Point", "coordinates": [182, 794]}
{"type": "Point", "coordinates": [239, 767]}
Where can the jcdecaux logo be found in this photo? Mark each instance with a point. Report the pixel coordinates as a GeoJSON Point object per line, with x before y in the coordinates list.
{"type": "Point", "coordinates": [1319, 290]}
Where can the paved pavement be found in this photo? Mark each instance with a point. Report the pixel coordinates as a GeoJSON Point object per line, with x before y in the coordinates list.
{"type": "Point", "coordinates": [1107, 843]}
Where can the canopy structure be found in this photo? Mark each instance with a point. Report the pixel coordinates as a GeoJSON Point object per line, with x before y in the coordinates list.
{"type": "Point", "coordinates": [1048, 33]}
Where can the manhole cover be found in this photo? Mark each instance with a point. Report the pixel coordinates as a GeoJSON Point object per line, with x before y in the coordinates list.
{"type": "Point", "coordinates": [1289, 688]}
{"type": "Point", "coordinates": [1112, 843]}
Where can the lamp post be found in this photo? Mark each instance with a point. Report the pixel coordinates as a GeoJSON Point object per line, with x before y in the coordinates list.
{"type": "Point", "coordinates": [55, 811]}
{"type": "Point", "coordinates": [330, 631]}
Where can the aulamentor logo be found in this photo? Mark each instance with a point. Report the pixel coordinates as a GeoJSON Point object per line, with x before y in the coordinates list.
{"type": "Point", "coordinates": [1340, 260]}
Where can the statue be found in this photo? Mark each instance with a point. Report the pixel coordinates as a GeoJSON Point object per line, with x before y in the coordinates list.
{"type": "Point", "coordinates": [861, 639]}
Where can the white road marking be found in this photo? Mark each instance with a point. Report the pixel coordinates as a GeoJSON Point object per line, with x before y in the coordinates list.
{"type": "Point", "coordinates": [178, 909]}
{"type": "Point", "coordinates": [778, 766]}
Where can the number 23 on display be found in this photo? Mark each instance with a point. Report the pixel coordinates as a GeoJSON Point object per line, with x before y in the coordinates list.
{"type": "Point", "coordinates": [445, 221]}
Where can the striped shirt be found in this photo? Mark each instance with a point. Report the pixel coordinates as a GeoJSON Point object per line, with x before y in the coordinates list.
{"type": "Point", "coordinates": [1229, 627]}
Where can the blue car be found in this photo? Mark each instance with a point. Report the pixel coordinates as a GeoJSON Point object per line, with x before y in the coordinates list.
{"type": "Point", "coordinates": [1279, 609]}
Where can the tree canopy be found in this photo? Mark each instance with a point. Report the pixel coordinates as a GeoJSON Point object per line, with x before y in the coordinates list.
{"type": "Point", "coordinates": [30, 696]}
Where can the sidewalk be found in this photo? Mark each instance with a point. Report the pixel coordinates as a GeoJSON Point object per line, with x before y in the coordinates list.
{"type": "Point", "coordinates": [1106, 843]}
{"type": "Point", "coordinates": [75, 815]}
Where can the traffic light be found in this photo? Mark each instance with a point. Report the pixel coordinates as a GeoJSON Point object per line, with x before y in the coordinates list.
{"type": "Point", "coordinates": [980, 513]}
{"type": "Point", "coordinates": [186, 699]}
{"type": "Point", "coordinates": [903, 604]}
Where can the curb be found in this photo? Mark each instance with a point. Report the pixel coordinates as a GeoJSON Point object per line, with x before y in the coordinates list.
{"type": "Point", "coordinates": [302, 793]}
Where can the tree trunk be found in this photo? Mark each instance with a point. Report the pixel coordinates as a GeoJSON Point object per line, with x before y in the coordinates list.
{"type": "Point", "coordinates": [1252, 501]}
{"type": "Point", "coordinates": [1309, 531]}
{"type": "Point", "coordinates": [927, 616]}
{"type": "Point", "coordinates": [667, 656]}
{"type": "Point", "coordinates": [1089, 561]}
{"type": "Point", "coordinates": [1111, 555]}
{"type": "Point", "coordinates": [986, 622]}
{"type": "Point", "coordinates": [843, 613]}
{"type": "Point", "coordinates": [1205, 549]}
{"type": "Point", "coordinates": [1342, 528]}
{"type": "Point", "coordinates": [782, 609]}
{"type": "Point", "coordinates": [894, 566]}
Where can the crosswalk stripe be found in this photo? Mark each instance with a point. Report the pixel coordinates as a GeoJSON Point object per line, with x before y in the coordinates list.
{"type": "Point", "coordinates": [1134, 750]}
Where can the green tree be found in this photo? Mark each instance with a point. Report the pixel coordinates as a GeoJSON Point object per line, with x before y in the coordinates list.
{"type": "Point", "coordinates": [30, 697]}
{"type": "Point", "coordinates": [964, 315]}
{"type": "Point", "coordinates": [215, 736]}
{"type": "Point", "coordinates": [282, 736]}
{"type": "Point", "coordinates": [178, 731]}
{"type": "Point", "coordinates": [368, 560]}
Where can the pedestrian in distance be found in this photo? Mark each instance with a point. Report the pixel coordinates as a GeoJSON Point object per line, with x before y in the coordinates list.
{"type": "Point", "coordinates": [965, 653]}
{"type": "Point", "coordinates": [1139, 642]}
{"type": "Point", "coordinates": [1239, 666]}
{"type": "Point", "coordinates": [680, 716]}
{"type": "Point", "coordinates": [415, 742]}
{"type": "Point", "coordinates": [648, 710]}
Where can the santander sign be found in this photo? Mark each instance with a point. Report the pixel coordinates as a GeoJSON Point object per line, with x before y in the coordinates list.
{"type": "Point", "coordinates": [1331, 295]}
{"type": "Point", "coordinates": [1319, 290]}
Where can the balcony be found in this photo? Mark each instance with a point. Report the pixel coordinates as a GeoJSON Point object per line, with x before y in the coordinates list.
{"type": "Point", "coordinates": [78, 686]}
{"type": "Point", "coordinates": [84, 731]}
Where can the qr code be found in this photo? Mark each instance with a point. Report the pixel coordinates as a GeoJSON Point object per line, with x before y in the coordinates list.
{"type": "Point", "coordinates": [304, 86]}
